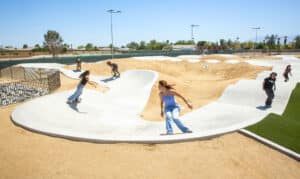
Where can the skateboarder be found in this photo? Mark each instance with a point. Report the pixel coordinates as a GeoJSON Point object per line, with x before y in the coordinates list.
{"type": "Point", "coordinates": [114, 69]}
{"type": "Point", "coordinates": [84, 79]}
{"type": "Point", "coordinates": [171, 108]}
{"type": "Point", "coordinates": [287, 72]}
{"type": "Point", "coordinates": [78, 65]}
{"type": "Point", "coordinates": [269, 87]}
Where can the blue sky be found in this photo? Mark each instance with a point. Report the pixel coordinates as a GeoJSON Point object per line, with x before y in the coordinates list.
{"type": "Point", "coordinates": [83, 21]}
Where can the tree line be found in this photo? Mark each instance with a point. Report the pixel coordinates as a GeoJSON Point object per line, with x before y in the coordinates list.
{"type": "Point", "coordinates": [269, 42]}
{"type": "Point", "coordinates": [53, 42]}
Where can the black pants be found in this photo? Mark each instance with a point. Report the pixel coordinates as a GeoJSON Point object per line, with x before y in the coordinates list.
{"type": "Point", "coordinates": [286, 77]}
{"type": "Point", "coordinates": [270, 94]}
{"type": "Point", "coordinates": [116, 73]}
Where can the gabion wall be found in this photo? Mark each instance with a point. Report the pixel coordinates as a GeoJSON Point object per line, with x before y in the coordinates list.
{"type": "Point", "coordinates": [19, 84]}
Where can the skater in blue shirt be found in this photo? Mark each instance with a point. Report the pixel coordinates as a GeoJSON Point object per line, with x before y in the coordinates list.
{"type": "Point", "coordinates": [170, 108]}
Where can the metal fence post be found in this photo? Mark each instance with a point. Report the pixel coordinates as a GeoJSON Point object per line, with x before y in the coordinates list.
{"type": "Point", "coordinates": [11, 73]}
{"type": "Point", "coordinates": [48, 86]}
{"type": "Point", "coordinates": [24, 73]}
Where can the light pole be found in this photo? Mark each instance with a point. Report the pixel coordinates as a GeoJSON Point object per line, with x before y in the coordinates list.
{"type": "Point", "coordinates": [111, 11]}
{"type": "Point", "coordinates": [192, 31]}
{"type": "Point", "coordinates": [237, 44]}
{"type": "Point", "coordinates": [256, 29]}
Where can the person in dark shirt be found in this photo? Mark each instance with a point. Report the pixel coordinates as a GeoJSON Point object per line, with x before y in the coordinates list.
{"type": "Point", "coordinates": [84, 79]}
{"type": "Point", "coordinates": [269, 87]}
{"type": "Point", "coordinates": [114, 69]}
{"type": "Point", "coordinates": [287, 72]}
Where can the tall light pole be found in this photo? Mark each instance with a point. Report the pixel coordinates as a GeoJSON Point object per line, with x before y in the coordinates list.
{"type": "Point", "coordinates": [256, 29]}
{"type": "Point", "coordinates": [192, 31]}
{"type": "Point", "coordinates": [111, 11]}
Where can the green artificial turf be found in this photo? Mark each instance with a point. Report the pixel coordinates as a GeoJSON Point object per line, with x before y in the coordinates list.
{"type": "Point", "coordinates": [285, 129]}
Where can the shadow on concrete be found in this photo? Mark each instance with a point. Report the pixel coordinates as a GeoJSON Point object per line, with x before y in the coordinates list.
{"type": "Point", "coordinates": [106, 80]}
{"type": "Point", "coordinates": [74, 106]}
{"type": "Point", "coordinates": [262, 108]}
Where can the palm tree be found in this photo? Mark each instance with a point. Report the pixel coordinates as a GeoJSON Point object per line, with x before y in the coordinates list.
{"type": "Point", "coordinates": [297, 41]}
{"type": "Point", "coordinates": [278, 44]}
{"type": "Point", "coordinates": [285, 41]}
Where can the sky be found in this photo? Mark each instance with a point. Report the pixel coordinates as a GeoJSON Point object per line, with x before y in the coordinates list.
{"type": "Point", "coordinates": [86, 21]}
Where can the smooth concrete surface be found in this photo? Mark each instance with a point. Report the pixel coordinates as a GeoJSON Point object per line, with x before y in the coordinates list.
{"type": "Point", "coordinates": [232, 61]}
{"type": "Point", "coordinates": [212, 61]}
{"type": "Point", "coordinates": [114, 116]}
{"type": "Point", "coordinates": [158, 58]}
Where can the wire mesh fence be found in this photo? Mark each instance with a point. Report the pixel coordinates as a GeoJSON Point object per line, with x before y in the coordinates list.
{"type": "Point", "coordinates": [18, 83]}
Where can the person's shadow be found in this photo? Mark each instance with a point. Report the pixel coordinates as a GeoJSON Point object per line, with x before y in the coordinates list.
{"type": "Point", "coordinates": [106, 80]}
{"type": "Point", "coordinates": [74, 106]}
{"type": "Point", "coordinates": [77, 70]}
{"type": "Point", "coordinates": [262, 108]}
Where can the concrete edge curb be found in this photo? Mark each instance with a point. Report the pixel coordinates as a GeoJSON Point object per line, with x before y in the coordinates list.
{"type": "Point", "coordinates": [271, 144]}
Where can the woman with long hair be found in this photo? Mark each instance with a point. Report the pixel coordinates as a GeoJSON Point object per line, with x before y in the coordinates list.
{"type": "Point", "coordinates": [84, 79]}
{"type": "Point", "coordinates": [170, 108]}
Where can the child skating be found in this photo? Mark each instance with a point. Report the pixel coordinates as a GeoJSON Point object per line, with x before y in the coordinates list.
{"type": "Point", "coordinates": [78, 64]}
{"type": "Point", "coordinates": [170, 108]}
{"type": "Point", "coordinates": [84, 79]}
{"type": "Point", "coordinates": [114, 69]}
{"type": "Point", "coordinates": [287, 72]}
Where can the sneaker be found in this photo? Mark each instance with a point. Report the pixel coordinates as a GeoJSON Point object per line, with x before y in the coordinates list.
{"type": "Point", "coordinates": [189, 131]}
{"type": "Point", "coordinates": [268, 106]}
{"type": "Point", "coordinates": [78, 100]}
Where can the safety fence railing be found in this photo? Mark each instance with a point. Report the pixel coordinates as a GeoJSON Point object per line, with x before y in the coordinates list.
{"type": "Point", "coordinates": [135, 53]}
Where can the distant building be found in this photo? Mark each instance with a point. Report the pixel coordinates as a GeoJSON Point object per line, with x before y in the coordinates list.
{"type": "Point", "coordinates": [8, 48]}
{"type": "Point", "coordinates": [125, 49]}
{"type": "Point", "coordinates": [105, 49]}
{"type": "Point", "coordinates": [184, 47]}
{"type": "Point", "coordinates": [25, 49]}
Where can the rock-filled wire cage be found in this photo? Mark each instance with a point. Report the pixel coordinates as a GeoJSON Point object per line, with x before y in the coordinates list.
{"type": "Point", "coordinates": [18, 83]}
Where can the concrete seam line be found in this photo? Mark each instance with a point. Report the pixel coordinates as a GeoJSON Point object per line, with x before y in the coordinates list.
{"type": "Point", "coordinates": [271, 144]}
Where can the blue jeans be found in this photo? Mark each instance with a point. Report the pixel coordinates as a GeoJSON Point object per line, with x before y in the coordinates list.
{"type": "Point", "coordinates": [172, 114]}
{"type": "Point", "coordinates": [76, 94]}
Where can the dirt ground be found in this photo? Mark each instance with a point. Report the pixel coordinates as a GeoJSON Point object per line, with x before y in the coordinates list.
{"type": "Point", "coordinates": [258, 56]}
{"type": "Point", "coordinates": [24, 154]}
